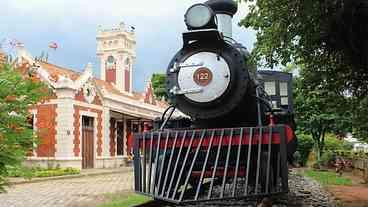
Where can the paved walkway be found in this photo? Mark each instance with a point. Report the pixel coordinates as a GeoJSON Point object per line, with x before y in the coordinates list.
{"type": "Point", "coordinates": [66, 192]}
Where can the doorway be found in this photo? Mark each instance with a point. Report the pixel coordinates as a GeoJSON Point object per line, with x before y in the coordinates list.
{"type": "Point", "coordinates": [87, 142]}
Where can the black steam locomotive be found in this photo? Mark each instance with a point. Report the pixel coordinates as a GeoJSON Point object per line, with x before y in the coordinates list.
{"type": "Point", "coordinates": [238, 133]}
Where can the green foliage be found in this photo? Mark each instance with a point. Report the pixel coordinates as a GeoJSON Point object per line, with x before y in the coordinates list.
{"type": "Point", "coordinates": [305, 146]}
{"type": "Point", "coordinates": [20, 171]}
{"type": "Point", "coordinates": [17, 94]}
{"type": "Point", "coordinates": [318, 110]}
{"type": "Point", "coordinates": [360, 119]}
{"type": "Point", "coordinates": [125, 200]}
{"type": "Point", "coordinates": [327, 41]}
{"type": "Point", "coordinates": [333, 144]}
{"type": "Point", "coordinates": [328, 159]}
{"type": "Point", "coordinates": [159, 85]}
{"type": "Point", "coordinates": [327, 178]}
{"type": "Point", "coordinates": [321, 35]}
{"type": "Point", "coordinates": [40, 172]}
{"type": "Point", "coordinates": [56, 172]}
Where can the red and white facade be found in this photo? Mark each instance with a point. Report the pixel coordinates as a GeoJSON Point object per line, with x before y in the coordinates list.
{"type": "Point", "coordinates": [88, 122]}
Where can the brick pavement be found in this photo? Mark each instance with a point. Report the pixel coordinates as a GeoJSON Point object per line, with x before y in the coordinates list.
{"type": "Point", "coordinates": [66, 192]}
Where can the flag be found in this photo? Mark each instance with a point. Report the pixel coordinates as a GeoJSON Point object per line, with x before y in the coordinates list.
{"type": "Point", "coordinates": [53, 45]}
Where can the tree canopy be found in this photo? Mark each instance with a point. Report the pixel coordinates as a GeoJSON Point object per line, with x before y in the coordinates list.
{"type": "Point", "coordinates": [326, 36]}
{"type": "Point", "coordinates": [17, 138]}
{"type": "Point", "coordinates": [328, 40]}
{"type": "Point", "coordinates": [159, 85]}
{"type": "Point", "coordinates": [316, 111]}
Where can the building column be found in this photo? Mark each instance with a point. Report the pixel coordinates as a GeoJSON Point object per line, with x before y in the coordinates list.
{"type": "Point", "coordinates": [131, 76]}
{"type": "Point", "coordinates": [65, 136]}
{"type": "Point", "coordinates": [106, 132]}
{"type": "Point", "coordinates": [102, 66]}
{"type": "Point", "coordinates": [125, 137]}
{"type": "Point", "coordinates": [113, 133]}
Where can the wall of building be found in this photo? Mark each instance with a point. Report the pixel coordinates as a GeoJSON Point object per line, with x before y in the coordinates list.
{"type": "Point", "coordinates": [46, 125]}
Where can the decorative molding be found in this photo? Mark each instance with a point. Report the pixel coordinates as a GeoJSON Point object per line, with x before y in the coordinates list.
{"type": "Point", "coordinates": [89, 91]}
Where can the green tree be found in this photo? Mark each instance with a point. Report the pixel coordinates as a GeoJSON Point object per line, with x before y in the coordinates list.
{"type": "Point", "coordinates": [329, 39]}
{"type": "Point", "coordinates": [360, 119]}
{"type": "Point", "coordinates": [17, 94]}
{"type": "Point", "coordinates": [319, 111]}
{"type": "Point", "coordinates": [159, 85]}
{"type": "Point", "coordinates": [305, 146]}
{"type": "Point", "coordinates": [326, 36]}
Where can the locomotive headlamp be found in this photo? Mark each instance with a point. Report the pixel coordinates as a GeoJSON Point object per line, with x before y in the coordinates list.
{"type": "Point", "coordinates": [200, 16]}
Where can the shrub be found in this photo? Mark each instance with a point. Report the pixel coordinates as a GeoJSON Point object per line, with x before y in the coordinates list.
{"type": "Point", "coordinates": [19, 171]}
{"type": "Point", "coordinates": [328, 159]}
{"type": "Point", "coordinates": [305, 146]}
{"type": "Point", "coordinates": [41, 172]}
{"type": "Point", "coordinates": [56, 172]}
{"type": "Point", "coordinates": [332, 144]}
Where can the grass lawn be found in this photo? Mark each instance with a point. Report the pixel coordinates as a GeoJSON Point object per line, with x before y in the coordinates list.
{"type": "Point", "coordinates": [124, 200]}
{"type": "Point", "coordinates": [327, 178]}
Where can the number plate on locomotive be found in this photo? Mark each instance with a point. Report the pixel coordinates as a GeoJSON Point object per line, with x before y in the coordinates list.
{"type": "Point", "coordinates": [202, 76]}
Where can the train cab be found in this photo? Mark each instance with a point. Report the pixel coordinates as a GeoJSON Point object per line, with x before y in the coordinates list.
{"type": "Point", "coordinates": [278, 85]}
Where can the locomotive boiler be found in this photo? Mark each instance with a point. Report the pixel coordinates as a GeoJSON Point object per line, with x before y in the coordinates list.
{"type": "Point", "coordinates": [238, 134]}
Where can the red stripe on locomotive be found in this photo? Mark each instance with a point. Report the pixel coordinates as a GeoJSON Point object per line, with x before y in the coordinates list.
{"type": "Point", "coordinates": [216, 139]}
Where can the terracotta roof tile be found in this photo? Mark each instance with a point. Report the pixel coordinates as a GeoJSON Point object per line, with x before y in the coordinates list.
{"type": "Point", "coordinates": [55, 71]}
{"type": "Point", "coordinates": [112, 89]}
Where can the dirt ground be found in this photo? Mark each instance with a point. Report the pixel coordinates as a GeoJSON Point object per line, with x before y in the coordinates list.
{"type": "Point", "coordinates": [351, 196]}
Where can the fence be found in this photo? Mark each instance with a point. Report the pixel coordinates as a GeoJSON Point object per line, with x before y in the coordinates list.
{"type": "Point", "coordinates": [359, 162]}
{"type": "Point", "coordinates": [360, 167]}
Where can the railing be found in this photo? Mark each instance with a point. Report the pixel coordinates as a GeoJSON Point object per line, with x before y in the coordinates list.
{"type": "Point", "coordinates": [182, 166]}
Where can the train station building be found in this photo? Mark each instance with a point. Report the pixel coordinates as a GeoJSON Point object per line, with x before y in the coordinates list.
{"type": "Point", "coordinates": [88, 122]}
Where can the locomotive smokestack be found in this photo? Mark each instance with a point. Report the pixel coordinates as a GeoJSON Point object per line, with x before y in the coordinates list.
{"type": "Point", "coordinates": [225, 10]}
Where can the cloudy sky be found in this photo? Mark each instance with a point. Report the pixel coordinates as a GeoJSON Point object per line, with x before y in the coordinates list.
{"type": "Point", "coordinates": [73, 25]}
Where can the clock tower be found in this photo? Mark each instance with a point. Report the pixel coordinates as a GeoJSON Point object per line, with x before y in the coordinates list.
{"type": "Point", "coordinates": [116, 52]}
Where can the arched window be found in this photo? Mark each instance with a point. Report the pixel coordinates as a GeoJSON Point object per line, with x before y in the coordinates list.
{"type": "Point", "coordinates": [111, 59]}
{"type": "Point", "coordinates": [110, 62]}
{"type": "Point", "coordinates": [127, 62]}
